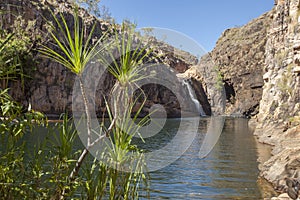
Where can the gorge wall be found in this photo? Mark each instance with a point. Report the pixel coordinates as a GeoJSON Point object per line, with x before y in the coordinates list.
{"type": "Point", "coordinates": [237, 63]}
{"type": "Point", "coordinates": [49, 88]}
{"type": "Point", "coordinates": [258, 64]}
{"type": "Point", "coordinates": [279, 115]}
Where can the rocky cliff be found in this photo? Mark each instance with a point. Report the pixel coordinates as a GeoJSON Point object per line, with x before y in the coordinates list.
{"type": "Point", "coordinates": [237, 63]}
{"type": "Point", "coordinates": [49, 89]}
{"type": "Point", "coordinates": [259, 66]}
{"type": "Point", "coordinates": [278, 119]}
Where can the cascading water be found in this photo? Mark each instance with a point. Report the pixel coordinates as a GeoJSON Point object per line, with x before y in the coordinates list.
{"type": "Point", "coordinates": [193, 97]}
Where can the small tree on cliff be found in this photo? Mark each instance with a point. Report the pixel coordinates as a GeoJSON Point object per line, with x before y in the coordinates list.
{"type": "Point", "coordinates": [93, 7]}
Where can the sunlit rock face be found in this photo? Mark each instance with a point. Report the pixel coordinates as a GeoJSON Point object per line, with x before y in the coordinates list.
{"type": "Point", "coordinates": [278, 119]}
{"type": "Point", "coordinates": [237, 58]}
{"type": "Point", "coordinates": [49, 89]}
{"type": "Point", "coordinates": [247, 60]}
{"type": "Point", "coordinates": [240, 55]}
{"type": "Point", "coordinates": [259, 65]}
{"type": "Point", "coordinates": [281, 95]}
{"type": "Point", "coordinates": [236, 63]}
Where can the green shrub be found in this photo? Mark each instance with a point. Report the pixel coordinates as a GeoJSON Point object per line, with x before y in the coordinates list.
{"type": "Point", "coordinates": [75, 51]}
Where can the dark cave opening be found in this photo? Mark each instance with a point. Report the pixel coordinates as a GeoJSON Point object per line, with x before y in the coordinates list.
{"type": "Point", "coordinates": [230, 92]}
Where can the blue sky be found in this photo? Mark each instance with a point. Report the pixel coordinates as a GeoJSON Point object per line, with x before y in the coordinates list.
{"type": "Point", "coordinates": [201, 20]}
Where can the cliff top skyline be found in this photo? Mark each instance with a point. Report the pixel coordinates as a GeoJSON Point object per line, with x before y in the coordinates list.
{"type": "Point", "coordinates": [203, 21]}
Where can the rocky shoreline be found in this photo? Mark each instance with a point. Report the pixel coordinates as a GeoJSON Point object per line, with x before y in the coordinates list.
{"type": "Point", "coordinates": [260, 68]}
{"type": "Point", "coordinates": [258, 64]}
{"type": "Point", "coordinates": [278, 123]}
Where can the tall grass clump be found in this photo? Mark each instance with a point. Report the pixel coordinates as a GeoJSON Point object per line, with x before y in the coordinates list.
{"type": "Point", "coordinates": [120, 172]}
{"type": "Point", "coordinates": [15, 121]}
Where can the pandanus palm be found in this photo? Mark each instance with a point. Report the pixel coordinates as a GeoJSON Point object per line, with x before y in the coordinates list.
{"type": "Point", "coordinates": [75, 51]}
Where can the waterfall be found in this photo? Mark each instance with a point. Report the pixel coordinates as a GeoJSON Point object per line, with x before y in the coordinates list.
{"type": "Point", "coordinates": [193, 97]}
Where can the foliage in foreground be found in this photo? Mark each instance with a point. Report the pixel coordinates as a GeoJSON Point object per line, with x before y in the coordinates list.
{"type": "Point", "coordinates": [75, 52]}
{"type": "Point", "coordinates": [35, 166]}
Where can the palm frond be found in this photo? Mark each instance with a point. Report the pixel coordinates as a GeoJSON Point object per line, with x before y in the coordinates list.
{"type": "Point", "coordinates": [74, 50]}
{"type": "Point", "coordinates": [128, 66]}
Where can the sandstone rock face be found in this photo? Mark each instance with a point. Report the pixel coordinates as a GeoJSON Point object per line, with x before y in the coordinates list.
{"type": "Point", "coordinates": [236, 62]}
{"type": "Point", "coordinates": [283, 196]}
{"type": "Point", "coordinates": [258, 64]}
{"type": "Point", "coordinates": [49, 89]}
{"type": "Point", "coordinates": [278, 118]}
{"type": "Point", "coordinates": [205, 82]}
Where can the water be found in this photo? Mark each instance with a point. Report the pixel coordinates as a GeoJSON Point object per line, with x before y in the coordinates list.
{"type": "Point", "coordinates": [194, 98]}
{"type": "Point", "coordinates": [228, 172]}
